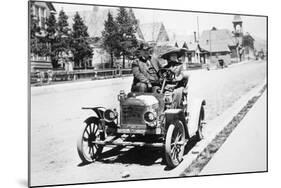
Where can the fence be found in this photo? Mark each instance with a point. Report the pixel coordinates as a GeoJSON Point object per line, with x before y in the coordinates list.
{"type": "Point", "coordinates": [47, 77]}
{"type": "Point", "coordinates": [56, 76]}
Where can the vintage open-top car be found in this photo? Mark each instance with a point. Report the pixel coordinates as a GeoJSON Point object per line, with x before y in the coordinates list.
{"type": "Point", "coordinates": [145, 119]}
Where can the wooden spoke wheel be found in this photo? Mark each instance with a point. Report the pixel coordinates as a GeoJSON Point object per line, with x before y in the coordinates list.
{"type": "Point", "coordinates": [174, 144]}
{"type": "Point", "coordinates": [87, 150]}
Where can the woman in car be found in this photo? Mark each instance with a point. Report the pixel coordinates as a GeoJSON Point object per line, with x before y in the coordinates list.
{"type": "Point", "coordinates": [172, 55]}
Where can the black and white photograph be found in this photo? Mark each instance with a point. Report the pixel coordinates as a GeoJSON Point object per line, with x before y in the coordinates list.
{"type": "Point", "coordinates": [123, 93]}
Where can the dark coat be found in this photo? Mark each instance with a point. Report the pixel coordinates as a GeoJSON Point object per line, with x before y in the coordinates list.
{"type": "Point", "coordinates": [144, 71]}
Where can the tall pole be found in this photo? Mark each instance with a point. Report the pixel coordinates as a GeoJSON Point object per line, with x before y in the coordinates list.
{"type": "Point", "coordinates": [198, 28]}
{"type": "Point", "coordinates": [210, 41]}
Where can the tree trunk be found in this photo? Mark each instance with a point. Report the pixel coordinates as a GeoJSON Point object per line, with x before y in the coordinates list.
{"type": "Point", "coordinates": [111, 56]}
{"type": "Point", "coordinates": [123, 61]}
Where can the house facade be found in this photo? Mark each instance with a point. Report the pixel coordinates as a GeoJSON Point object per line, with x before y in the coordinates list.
{"type": "Point", "coordinates": [40, 11]}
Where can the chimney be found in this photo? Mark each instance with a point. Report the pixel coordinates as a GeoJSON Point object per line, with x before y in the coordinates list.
{"type": "Point", "coordinates": [195, 40]}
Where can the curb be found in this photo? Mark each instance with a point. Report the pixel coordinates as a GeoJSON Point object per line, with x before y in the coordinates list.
{"type": "Point", "coordinates": [222, 121]}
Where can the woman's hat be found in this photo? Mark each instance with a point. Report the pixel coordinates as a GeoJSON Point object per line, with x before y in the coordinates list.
{"type": "Point", "coordinates": [167, 50]}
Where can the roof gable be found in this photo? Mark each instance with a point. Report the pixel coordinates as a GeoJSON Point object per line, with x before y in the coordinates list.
{"type": "Point", "coordinates": [221, 36]}
{"type": "Point", "coordinates": [153, 32]}
{"type": "Point", "coordinates": [94, 19]}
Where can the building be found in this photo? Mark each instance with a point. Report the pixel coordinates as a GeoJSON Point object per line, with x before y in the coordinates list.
{"type": "Point", "coordinates": [152, 33]}
{"type": "Point", "coordinates": [237, 26]}
{"type": "Point", "coordinates": [94, 19]}
{"type": "Point", "coordinates": [40, 12]}
{"type": "Point", "coordinates": [220, 39]}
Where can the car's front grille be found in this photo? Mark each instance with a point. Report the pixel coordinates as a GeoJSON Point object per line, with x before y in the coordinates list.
{"type": "Point", "coordinates": [132, 115]}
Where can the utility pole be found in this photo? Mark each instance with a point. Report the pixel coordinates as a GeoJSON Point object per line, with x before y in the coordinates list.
{"type": "Point", "coordinates": [198, 28]}
{"type": "Point", "coordinates": [210, 41]}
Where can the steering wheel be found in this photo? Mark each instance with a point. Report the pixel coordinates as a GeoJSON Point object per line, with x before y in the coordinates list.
{"type": "Point", "coordinates": [166, 73]}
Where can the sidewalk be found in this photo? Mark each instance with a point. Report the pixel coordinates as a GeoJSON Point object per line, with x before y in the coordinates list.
{"type": "Point", "coordinates": [246, 148]}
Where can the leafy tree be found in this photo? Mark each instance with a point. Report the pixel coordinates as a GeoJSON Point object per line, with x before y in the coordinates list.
{"type": "Point", "coordinates": [79, 42]}
{"type": "Point", "coordinates": [110, 36]}
{"type": "Point", "coordinates": [51, 31]}
{"type": "Point", "coordinates": [126, 34]}
{"type": "Point", "coordinates": [62, 39]}
{"type": "Point", "coordinates": [133, 17]}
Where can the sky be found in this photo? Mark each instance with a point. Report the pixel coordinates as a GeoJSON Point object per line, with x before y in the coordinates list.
{"type": "Point", "coordinates": [185, 23]}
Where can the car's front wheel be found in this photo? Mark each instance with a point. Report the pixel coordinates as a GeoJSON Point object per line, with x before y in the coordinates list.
{"type": "Point", "coordinates": [87, 150]}
{"type": "Point", "coordinates": [174, 144]}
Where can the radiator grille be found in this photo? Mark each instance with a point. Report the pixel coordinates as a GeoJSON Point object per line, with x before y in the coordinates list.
{"type": "Point", "coordinates": [132, 115]}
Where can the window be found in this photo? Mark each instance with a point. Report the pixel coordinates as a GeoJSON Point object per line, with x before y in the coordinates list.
{"type": "Point", "coordinates": [42, 16]}
{"type": "Point", "coordinates": [36, 11]}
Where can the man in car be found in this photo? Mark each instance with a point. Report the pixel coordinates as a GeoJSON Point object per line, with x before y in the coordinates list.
{"type": "Point", "coordinates": [144, 71]}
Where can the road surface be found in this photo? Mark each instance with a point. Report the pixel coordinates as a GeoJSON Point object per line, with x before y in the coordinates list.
{"type": "Point", "coordinates": [56, 122]}
{"type": "Point", "coordinates": [245, 148]}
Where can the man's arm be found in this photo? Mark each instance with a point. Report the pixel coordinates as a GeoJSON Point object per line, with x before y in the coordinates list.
{"type": "Point", "coordinates": [137, 73]}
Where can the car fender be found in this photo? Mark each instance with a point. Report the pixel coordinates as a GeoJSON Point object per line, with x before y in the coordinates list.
{"type": "Point", "coordinates": [194, 109]}
{"type": "Point", "coordinates": [172, 115]}
{"type": "Point", "coordinates": [99, 111]}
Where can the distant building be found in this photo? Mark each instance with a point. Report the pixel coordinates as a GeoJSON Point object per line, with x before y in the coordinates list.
{"type": "Point", "coordinates": [153, 33]}
{"type": "Point", "coordinates": [94, 19]}
{"type": "Point", "coordinates": [248, 46]}
{"type": "Point", "coordinates": [41, 11]}
{"type": "Point", "coordinates": [219, 43]}
{"type": "Point", "coordinates": [237, 26]}
{"type": "Point", "coordinates": [181, 40]}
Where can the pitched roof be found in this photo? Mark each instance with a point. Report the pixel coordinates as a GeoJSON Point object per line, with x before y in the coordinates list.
{"type": "Point", "coordinates": [94, 19]}
{"type": "Point", "coordinates": [153, 32]}
{"type": "Point", "coordinates": [181, 40]}
{"type": "Point", "coordinates": [192, 46]}
{"type": "Point", "coordinates": [216, 47]}
{"type": "Point", "coordinates": [218, 36]}
{"type": "Point", "coordinates": [51, 6]}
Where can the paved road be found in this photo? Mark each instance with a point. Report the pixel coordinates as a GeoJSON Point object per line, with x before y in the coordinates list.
{"type": "Point", "coordinates": [56, 122]}
{"type": "Point", "coordinates": [245, 148]}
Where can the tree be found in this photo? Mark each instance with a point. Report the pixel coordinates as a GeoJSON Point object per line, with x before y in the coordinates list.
{"type": "Point", "coordinates": [51, 30]}
{"type": "Point", "coordinates": [126, 34]}
{"type": "Point", "coordinates": [62, 39]}
{"type": "Point", "coordinates": [110, 36]}
{"type": "Point", "coordinates": [79, 42]}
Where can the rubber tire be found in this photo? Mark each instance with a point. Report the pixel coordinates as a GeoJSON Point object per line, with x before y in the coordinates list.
{"type": "Point", "coordinates": [80, 148]}
{"type": "Point", "coordinates": [199, 134]}
{"type": "Point", "coordinates": [168, 155]}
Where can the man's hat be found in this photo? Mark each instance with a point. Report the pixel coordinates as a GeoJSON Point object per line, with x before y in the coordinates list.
{"type": "Point", "coordinates": [167, 50]}
{"type": "Point", "coordinates": [142, 48]}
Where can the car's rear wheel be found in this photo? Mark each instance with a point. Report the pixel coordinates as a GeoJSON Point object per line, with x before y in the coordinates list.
{"type": "Point", "coordinates": [199, 133]}
{"type": "Point", "coordinates": [87, 150]}
{"type": "Point", "coordinates": [174, 144]}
